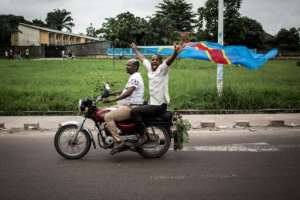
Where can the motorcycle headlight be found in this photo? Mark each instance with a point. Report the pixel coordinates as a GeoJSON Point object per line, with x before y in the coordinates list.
{"type": "Point", "coordinates": [85, 104]}
{"type": "Point", "coordinates": [81, 107]}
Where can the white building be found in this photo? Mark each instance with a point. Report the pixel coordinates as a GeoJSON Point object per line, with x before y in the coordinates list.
{"type": "Point", "coordinates": [31, 35]}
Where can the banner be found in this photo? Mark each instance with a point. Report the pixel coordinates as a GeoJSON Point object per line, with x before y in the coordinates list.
{"type": "Point", "coordinates": [217, 53]}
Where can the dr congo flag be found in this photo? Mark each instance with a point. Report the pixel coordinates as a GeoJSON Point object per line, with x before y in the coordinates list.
{"type": "Point", "coordinates": [217, 53]}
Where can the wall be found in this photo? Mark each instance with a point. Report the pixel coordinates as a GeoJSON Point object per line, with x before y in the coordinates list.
{"type": "Point", "coordinates": [89, 49]}
{"type": "Point", "coordinates": [44, 36]}
{"type": "Point", "coordinates": [14, 39]}
{"type": "Point", "coordinates": [28, 36]}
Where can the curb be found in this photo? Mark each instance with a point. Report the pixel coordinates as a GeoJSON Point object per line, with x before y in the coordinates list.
{"type": "Point", "coordinates": [39, 113]}
{"type": "Point", "coordinates": [223, 111]}
{"type": "Point", "coordinates": [184, 112]}
{"type": "Point", "coordinates": [245, 124]}
{"type": "Point", "coordinates": [203, 125]}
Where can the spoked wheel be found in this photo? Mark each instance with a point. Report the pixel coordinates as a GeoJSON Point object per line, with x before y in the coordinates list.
{"type": "Point", "coordinates": [67, 147]}
{"type": "Point", "coordinates": [158, 143]}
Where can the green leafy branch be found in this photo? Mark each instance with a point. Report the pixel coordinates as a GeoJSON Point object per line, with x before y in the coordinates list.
{"type": "Point", "coordinates": [181, 135]}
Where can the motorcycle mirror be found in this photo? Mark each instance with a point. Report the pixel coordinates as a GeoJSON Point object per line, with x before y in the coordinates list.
{"type": "Point", "coordinates": [107, 86]}
{"type": "Point", "coordinates": [106, 90]}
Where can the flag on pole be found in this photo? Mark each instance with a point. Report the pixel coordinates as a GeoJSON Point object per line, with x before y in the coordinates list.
{"type": "Point", "coordinates": [219, 54]}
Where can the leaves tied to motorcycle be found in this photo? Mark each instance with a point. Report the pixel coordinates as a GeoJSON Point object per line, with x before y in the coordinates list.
{"type": "Point", "coordinates": [181, 134]}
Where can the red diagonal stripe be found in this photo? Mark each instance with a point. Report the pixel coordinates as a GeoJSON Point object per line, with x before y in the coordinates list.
{"type": "Point", "coordinates": [201, 47]}
{"type": "Point", "coordinates": [217, 56]}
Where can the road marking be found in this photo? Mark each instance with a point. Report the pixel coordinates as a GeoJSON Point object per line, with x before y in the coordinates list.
{"type": "Point", "coordinates": [166, 177]}
{"type": "Point", "coordinates": [244, 147]}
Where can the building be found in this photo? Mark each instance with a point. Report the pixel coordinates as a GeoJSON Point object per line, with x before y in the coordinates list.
{"type": "Point", "coordinates": [31, 35]}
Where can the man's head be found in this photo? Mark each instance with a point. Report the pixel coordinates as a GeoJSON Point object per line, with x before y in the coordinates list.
{"type": "Point", "coordinates": [156, 60]}
{"type": "Point", "coordinates": [132, 66]}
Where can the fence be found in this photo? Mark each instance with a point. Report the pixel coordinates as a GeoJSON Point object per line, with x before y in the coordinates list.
{"type": "Point", "coordinates": [289, 53]}
{"type": "Point", "coordinates": [128, 52]}
{"type": "Point", "coordinates": [34, 51]}
{"type": "Point", "coordinates": [87, 49]}
{"type": "Point", "coordinates": [96, 48]}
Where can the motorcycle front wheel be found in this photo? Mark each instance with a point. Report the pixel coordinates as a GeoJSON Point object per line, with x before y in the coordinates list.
{"type": "Point", "coordinates": [67, 147]}
{"type": "Point", "coordinates": [158, 144]}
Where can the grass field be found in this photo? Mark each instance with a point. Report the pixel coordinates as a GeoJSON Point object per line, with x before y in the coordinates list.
{"type": "Point", "coordinates": [36, 85]}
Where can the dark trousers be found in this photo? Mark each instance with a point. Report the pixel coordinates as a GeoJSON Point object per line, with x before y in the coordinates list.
{"type": "Point", "coordinates": [144, 111]}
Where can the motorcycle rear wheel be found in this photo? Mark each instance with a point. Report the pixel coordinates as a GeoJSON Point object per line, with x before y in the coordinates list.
{"type": "Point", "coordinates": [67, 149]}
{"type": "Point", "coordinates": [158, 144]}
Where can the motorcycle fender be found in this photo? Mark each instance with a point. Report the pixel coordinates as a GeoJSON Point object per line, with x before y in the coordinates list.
{"type": "Point", "coordinates": [70, 123]}
{"type": "Point", "coordinates": [77, 124]}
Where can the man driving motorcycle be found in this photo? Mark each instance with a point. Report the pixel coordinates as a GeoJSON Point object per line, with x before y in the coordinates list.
{"type": "Point", "coordinates": [131, 96]}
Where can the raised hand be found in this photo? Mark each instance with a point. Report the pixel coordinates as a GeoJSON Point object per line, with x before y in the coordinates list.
{"type": "Point", "coordinates": [136, 51]}
{"type": "Point", "coordinates": [179, 47]}
{"type": "Point", "coordinates": [133, 45]}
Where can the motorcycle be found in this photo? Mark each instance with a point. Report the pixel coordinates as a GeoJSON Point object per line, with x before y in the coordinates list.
{"type": "Point", "coordinates": [73, 140]}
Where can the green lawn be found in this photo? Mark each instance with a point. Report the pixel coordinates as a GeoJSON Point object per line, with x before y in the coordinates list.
{"type": "Point", "coordinates": [36, 85]}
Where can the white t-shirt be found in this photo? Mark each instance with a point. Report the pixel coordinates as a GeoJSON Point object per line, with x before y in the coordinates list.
{"type": "Point", "coordinates": [137, 97]}
{"type": "Point", "coordinates": [158, 83]}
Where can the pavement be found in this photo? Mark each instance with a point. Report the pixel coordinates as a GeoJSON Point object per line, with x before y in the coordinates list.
{"type": "Point", "coordinates": [219, 120]}
{"type": "Point", "coordinates": [226, 164]}
{"type": "Point", "coordinates": [220, 163]}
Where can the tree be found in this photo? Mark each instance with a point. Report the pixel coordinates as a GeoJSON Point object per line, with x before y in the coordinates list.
{"type": "Point", "coordinates": [249, 33]}
{"type": "Point", "coordinates": [200, 22]}
{"type": "Point", "coordinates": [161, 31]}
{"type": "Point", "coordinates": [91, 31]}
{"type": "Point", "coordinates": [178, 12]}
{"type": "Point", "coordinates": [9, 25]}
{"type": "Point", "coordinates": [125, 28]}
{"type": "Point", "coordinates": [238, 30]}
{"type": "Point", "coordinates": [39, 22]}
{"type": "Point", "coordinates": [60, 19]}
{"type": "Point", "coordinates": [209, 14]}
{"type": "Point", "coordinates": [234, 32]}
{"type": "Point", "coordinates": [288, 39]}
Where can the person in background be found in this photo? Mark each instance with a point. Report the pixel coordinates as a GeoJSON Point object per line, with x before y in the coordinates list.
{"type": "Point", "coordinates": [6, 54]}
{"type": "Point", "coordinates": [11, 54]}
{"type": "Point", "coordinates": [27, 53]}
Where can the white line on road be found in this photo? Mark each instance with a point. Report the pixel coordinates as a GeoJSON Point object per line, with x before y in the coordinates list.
{"type": "Point", "coordinates": [244, 147]}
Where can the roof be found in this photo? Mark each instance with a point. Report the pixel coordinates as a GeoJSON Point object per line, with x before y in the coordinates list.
{"type": "Point", "coordinates": [268, 37]}
{"type": "Point", "coordinates": [60, 32]}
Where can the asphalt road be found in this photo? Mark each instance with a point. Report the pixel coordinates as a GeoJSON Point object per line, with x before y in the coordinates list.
{"type": "Point", "coordinates": [226, 164]}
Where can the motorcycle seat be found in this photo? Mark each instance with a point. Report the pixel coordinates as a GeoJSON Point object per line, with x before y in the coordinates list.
{"type": "Point", "coordinates": [163, 119]}
{"type": "Point", "coordinates": [166, 117]}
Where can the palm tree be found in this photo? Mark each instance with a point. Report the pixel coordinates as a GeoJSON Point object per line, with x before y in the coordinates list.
{"type": "Point", "coordinates": [60, 19]}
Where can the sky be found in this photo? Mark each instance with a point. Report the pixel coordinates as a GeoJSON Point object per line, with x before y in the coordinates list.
{"type": "Point", "coordinates": [272, 14]}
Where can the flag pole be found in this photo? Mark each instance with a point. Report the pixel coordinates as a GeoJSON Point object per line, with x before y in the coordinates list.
{"type": "Point", "coordinates": [220, 41]}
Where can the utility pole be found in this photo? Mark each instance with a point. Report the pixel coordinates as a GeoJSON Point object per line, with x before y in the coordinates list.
{"type": "Point", "coordinates": [220, 41]}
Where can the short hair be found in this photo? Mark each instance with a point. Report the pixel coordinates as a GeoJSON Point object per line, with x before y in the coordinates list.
{"type": "Point", "coordinates": [134, 62]}
{"type": "Point", "coordinates": [160, 58]}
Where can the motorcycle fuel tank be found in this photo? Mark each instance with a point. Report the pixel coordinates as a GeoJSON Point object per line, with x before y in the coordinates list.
{"type": "Point", "coordinates": [125, 126]}
{"type": "Point", "coordinates": [99, 114]}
